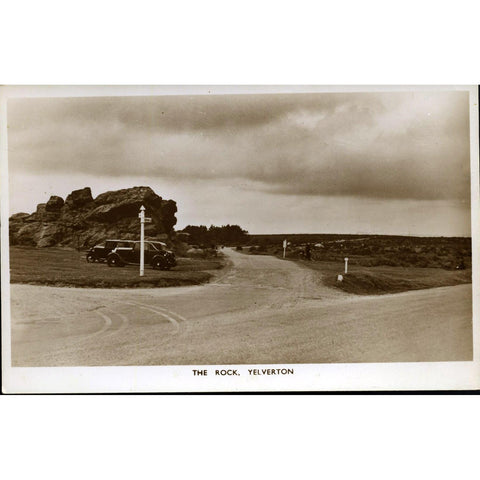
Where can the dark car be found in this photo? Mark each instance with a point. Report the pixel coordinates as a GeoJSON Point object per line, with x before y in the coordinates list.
{"type": "Point", "coordinates": [155, 255]}
{"type": "Point", "coordinates": [99, 253]}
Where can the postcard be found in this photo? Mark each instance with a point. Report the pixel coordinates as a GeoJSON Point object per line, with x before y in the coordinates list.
{"type": "Point", "coordinates": [239, 238]}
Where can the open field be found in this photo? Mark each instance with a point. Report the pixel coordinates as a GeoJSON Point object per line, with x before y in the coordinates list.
{"type": "Point", "coordinates": [68, 267]}
{"type": "Point", "coordinates": [372, 250]}
{"type": "Point", "coordinates": [377, 264]}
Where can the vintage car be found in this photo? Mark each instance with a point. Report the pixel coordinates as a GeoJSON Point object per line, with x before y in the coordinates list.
{"type": "Point", "coordinates": [99, 253]}
{"type": "Point", "coordinates": [155, 255]}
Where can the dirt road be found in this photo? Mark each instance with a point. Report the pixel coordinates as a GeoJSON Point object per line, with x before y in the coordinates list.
{"type": "Point", "coordinates": [260, 310]}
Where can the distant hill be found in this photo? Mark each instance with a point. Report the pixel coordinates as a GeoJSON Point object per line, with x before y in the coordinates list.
{"type": "Point", "coordinates": [81, 221]}
{"type": "Point", "coordinates": [299, 238]}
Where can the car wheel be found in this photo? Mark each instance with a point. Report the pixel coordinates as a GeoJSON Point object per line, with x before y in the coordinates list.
{"type": "Point", "coordinates": [114, 261]}
{"type": "Point", "coordinates": [90, 258]}
{"type": "Point", "coordinates": [158, 264]}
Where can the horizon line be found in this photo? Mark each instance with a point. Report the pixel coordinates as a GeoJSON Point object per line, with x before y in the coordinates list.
{"type": "Point", "coordinates": [369, 234]}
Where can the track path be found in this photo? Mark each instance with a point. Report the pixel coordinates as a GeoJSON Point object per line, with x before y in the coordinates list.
{"type": "Point", "coordinates": [259, 310]}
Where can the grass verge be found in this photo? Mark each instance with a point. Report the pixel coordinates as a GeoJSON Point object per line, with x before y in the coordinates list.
{"type": "Point", "coordinates": [384, 279]}
{"type": "Point", "coordinates": [68, 268]}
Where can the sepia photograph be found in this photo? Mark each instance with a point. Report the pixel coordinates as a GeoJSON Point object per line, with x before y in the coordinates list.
{"type": "Point", "coordinates": [239, 238]}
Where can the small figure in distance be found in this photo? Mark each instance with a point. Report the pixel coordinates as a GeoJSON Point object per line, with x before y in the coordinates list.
{"type": "Point", "coordinates": [308, 252]}
{"type": "Point", "coordinates": [461, 265]}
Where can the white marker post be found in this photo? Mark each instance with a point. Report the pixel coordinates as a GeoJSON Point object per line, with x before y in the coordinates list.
{"type": "Point", "coordinates": [142, 239]}
{"type": "Point", "coordinates": [284, 247]}
{"type": "Point", "coordinates": [346, 264]}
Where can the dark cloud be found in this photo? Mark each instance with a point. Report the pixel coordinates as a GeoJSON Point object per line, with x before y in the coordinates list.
{"type": "Point", "coordinates": [387, 145]}
{"type": "Point", "coordinates": [176, 113]}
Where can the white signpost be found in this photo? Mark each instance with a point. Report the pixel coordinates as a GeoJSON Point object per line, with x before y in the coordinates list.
{"type": "Point", "coordinates": [142, 238]}
{"type": "Point", "coordinates": [346, 264]}
{"type": "Point", "coordinates": [284, 247]}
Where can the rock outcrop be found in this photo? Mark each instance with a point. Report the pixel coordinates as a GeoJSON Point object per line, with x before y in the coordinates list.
{"type": "Point", "coordinates": [79, 198]}
{"type": "Point", "coordinates": [81, 221]}
{"type": "Point", "coordinates": [54, 204]}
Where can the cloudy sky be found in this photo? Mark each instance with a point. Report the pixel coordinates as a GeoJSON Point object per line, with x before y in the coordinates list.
{"type": "Point", "coordinates": [393, 163]}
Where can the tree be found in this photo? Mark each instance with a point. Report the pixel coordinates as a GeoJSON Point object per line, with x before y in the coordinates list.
{"type": "Point", "coordinates": [224, 235]}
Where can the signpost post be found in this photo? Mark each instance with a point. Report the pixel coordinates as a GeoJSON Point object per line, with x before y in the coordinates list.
{"type": "Point", "coordinates": [346, 264]}
{"type": "Point", "coordinates": [284, 247]}
{"type": "Point", "coordinates": [142, 239]}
